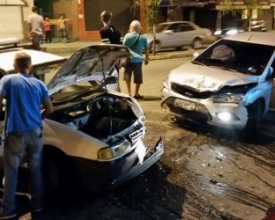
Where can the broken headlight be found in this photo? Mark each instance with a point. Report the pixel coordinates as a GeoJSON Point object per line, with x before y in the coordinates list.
{"type": "Point", "coordinates": [109, 153]}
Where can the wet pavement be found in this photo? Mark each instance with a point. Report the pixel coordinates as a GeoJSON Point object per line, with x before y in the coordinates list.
{"type": "Point", "coordinates": [204, 174]}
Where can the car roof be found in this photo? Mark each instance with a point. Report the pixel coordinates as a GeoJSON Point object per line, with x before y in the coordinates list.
{"type": "Point", "coordinates": [174, 22]}
{"type": "Point", "coordinates": [38, 58]}
{"type": "Point", "coordinates": [266, 38]}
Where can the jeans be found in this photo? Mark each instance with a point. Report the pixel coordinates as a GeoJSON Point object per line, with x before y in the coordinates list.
{"type": "Point", "coordinates": [18, 145]}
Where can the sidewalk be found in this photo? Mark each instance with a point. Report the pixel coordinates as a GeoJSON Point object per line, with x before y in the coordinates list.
{"type": "Point", "coordinates": [70, 47]}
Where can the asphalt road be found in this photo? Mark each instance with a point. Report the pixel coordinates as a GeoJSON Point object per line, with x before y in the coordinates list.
{"type": "Point", "coordinates": [205, 173]}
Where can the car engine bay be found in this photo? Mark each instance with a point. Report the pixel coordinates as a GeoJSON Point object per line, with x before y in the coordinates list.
{"type": "Point", "coordinates": [100, 117]}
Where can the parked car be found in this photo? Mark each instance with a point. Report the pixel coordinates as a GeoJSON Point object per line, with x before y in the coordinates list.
{"type": "Point", "coordinates": [239, 26]}
{"type": "Point", "coordinates": [40, 60]}
{"type": "Point", "coordinates": [178, 34]}
{"type": "Point", "coordinates": [94, 137]}
{"type": "Point", "coordinates": [230, 84]}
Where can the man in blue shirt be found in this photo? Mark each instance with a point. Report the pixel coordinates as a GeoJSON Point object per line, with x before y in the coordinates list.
{"type": "Point", "coordinates": [137, 43]}
{"type": "Point", "coordinates": [24, 95]}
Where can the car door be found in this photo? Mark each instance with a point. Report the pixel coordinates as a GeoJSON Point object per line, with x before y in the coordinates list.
{"type": "Point", "coordinates": [186, 34]}
{"type": "Point", "coordinates": [167, 37]}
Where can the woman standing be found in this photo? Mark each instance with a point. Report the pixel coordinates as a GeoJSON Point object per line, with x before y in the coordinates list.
{"type": "Point", "coordinates": [47, 30]}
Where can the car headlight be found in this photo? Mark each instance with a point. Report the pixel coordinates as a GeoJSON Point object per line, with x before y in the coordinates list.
{"type": "Point", "coordinates": [108, 153]}
{"type": "Point", "coordinates": [232, 32]}
{"type": "Point", "coordinates": [228, 98]}
{"type": "Point", "coordinates": [217, 32]}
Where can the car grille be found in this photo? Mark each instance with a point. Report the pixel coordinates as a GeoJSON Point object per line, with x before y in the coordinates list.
{"type": "Point", "coordinates": [198, 113]}
{"type": "Point", "coordinates": [136, 135]}
{"type": "Point", "coordinates": [190, 92]}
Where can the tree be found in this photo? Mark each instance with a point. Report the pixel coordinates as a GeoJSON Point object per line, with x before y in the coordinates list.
{"type": "Point", "coordinates": [152, 12]}
{"type": "Point", "coordinates": [249, 5]}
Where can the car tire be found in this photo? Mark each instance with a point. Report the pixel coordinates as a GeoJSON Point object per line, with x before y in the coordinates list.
{"type": "Point", "coordinates": [196, 43]}
{"type": "Point", "coordinates": [255, 112]}
{"type": "Point", "coordinates": [57, 173]}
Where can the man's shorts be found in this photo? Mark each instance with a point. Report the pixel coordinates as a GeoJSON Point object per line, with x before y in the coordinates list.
{"type": "Point", "coordinates": [136, 70]}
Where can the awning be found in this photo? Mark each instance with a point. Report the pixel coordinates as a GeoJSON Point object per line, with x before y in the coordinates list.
{"type": "Point", "coordinates": [186, 3]}
{"type": "Point", "coordinates": [239, 4]}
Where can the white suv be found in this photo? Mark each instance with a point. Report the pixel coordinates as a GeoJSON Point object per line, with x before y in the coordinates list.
{"type": "Point", "coordinates": [230, 84]}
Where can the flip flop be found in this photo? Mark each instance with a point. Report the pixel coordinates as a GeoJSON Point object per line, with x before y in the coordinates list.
{"type": "Point", "coordinates": [138, 97]}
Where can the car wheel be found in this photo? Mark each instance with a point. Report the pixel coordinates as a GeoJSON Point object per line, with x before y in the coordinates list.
{"type": "Point", "coordinates": [197, 43]}
{"type": "Point", "coordinates": [255, 112]}
{"type": "Point", "coordinates": [57, 172]}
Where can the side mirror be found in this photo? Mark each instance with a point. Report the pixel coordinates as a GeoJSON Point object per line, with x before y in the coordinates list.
{"type": "Point", "coordinates": [111, 80]}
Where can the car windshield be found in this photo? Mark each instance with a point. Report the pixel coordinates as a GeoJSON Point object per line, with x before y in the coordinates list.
{"type": "Point", "coordinates": [244, 57]}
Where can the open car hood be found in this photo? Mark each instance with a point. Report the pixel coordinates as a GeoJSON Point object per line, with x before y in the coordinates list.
{"type": "Point", "coordinates": [92, 63]}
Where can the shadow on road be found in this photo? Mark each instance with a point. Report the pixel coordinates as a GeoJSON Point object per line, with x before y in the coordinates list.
{"type": "Point", "coordinates": [149, 196]}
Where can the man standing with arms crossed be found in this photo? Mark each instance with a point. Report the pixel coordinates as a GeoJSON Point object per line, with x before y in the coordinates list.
{"type": "Point", "coordinates": [24, 95]}
{"type": "Point", "coordinates": [36, 24]}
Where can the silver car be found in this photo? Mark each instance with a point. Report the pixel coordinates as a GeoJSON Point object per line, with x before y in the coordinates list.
{"type": "Point", "coordinates": [94, 137]}
{"type": "Point", "coordinates": [178, 34]}
{"type": "Point", "coordinates": [230, 84]}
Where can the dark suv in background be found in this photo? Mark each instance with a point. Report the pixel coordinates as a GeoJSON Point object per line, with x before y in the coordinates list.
{"type": "Point", "coordinates": [241, 25]}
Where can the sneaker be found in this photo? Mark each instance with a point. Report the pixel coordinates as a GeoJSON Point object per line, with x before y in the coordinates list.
{"type": "Point", "coordinates": [6, 215]}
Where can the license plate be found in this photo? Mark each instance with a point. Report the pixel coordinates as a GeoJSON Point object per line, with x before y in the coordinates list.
{"type": "Point", "coordinates": [190, 106]}
{"type": "Point", "coordinates": [140, 151]}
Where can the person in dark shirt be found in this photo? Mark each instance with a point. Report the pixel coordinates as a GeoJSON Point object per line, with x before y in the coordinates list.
{"type": "Point", "coordinates": [108, 33]}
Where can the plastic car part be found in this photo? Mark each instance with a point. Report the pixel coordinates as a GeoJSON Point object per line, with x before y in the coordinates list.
{"type": "Point", "coordinates": [255, 112]}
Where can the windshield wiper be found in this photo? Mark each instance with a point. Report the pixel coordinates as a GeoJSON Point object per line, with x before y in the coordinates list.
{"type": "Point", "coordinates": [198, 62]}
{"type": "Point", "coordinates": [225, 68]}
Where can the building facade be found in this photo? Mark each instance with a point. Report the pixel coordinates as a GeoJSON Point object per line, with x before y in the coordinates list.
{"type": "Point", "coordinates": [84, 15]}
{"type": "Point", "coordinates": [12, 15]}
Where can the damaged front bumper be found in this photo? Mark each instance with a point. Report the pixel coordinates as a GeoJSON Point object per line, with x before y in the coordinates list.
{"type": "Point", "coordinates": [98, 176]}
{"type": "Point", "coordinates": [152, 155]}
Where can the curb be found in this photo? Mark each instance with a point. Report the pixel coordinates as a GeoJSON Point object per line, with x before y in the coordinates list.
{"type": "Point", "coordinates": [60, 49]}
